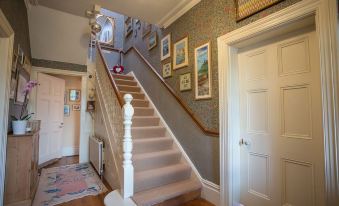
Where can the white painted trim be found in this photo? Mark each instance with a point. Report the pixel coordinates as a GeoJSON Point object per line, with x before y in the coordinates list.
{"type": "Point", "coordinates": [7, 34]}
{"type": "Point", "coordinates": [210, 191]}
{"type": "Point", "coordinates": [326, 24]}
{"type": "Point", "coordinates": [177, 12]}
{"type": "Point", "coordinates": [70, 151]}
{"type": "Point", "coordinates": [85, 117]}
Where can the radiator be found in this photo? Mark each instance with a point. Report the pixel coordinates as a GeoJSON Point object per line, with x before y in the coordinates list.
{"type": "Point", "coordinates": [96, 154]}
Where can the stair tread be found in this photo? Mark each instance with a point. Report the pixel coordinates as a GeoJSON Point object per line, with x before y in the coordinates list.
{"type": "Point", "coordinates": [156, 154]}
{"type": "Point", "coordinates": [149, 127]}
{"type": "Point", "coordinates": [151, 139]}
{"type": "Point", "coordinates": [162, 171]}
{"type": "Point", "coordinates": [145, 117]}
{"type": "Point", "coordinates": [166, 192]}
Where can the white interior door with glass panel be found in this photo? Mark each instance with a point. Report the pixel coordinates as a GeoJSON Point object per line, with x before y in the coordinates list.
{"type": "Point", "coordinates": [281, 123]}
{"type": "Point", "coordinates": [50, 110]}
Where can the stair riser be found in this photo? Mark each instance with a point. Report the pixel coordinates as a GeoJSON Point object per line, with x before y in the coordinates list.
{"type": "Point", "coordinates": [156, 181]}
{"type": "Point", "coordinates": [148, 133]}
{"type": "Point", "coordinates": [129, 89]}
{"type": "Point", "coordinates": [180, 200]}
{"type": "Point", "coordinates": [121, 82]}
{"type": "Point", "coordinates": [156, 162]}
{"type": "Point", "coordinates": [153, 146]}
{"type": "Point", "coordinates": [143, 112]}
{"type": "Point", "coordinates": [140, 103]}
{"type": "Point", "coordinates": [135, 96]}
{"type": "Point", "coordinates": [140, 122]}
{"type": "Point", "coordinates": [123, 77]}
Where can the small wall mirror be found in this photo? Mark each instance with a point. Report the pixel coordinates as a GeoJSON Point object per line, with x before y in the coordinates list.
{"type": "Point", "coordinates": [107, 32]}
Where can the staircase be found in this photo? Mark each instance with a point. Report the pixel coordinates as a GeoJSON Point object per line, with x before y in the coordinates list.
{"type": "Point", "coordinates": [161, 175]}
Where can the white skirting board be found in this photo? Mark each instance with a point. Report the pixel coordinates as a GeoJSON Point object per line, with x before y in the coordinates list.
{"type": "Point", "coordinates": [70, 151]}
{"type": "Point", "coordinates": [210, 192]}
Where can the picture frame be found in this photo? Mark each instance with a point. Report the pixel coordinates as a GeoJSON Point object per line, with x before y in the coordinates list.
{"type": "Point", "coordinates": [202, 72]}
{"type": "Point", "coordinates": [65, 97]}
{"type": "Point", "coordinates": [247, 8]}
{"type": "Point", "coordinates": [76, 107]}
{"type": "Point", "coordinates": [74, 95]}
{"type": "Point", "coordinates": [19, 94]}
{"type": "Point", "coordinates": [128, 26]}
{"type": "Point", "coordinates": [15, 62]}
{"type": "Point", "coordinates": [146, 29]}
{"type": "Point", "coordinates": [185, 82]}
{"type": "Point", "coordinates": [90, 106]}
{"type": "Point", "coordinates": [167, 70]}
{"type": "Point", "coordinates": [21, 55]}
{"type": "Point", "coordinates": [180, 53]}
{"type": "Point", "coordinates": [13, 86]}
{"type": "Point", "coordinates": [27, 66]}
{"type": "Point", "coordinates": [67, 110]}
{"type": "Point", "coordinates": [165, 47]}
{"type": "Point", "coordinates": [152, 40]}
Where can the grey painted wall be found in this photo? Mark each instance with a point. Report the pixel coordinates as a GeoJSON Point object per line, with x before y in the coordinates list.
{"type": "Point", "coordinates": [16, 14]}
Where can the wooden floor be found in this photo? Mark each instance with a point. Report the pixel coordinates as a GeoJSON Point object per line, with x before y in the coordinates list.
{"type": "Point", "coordinates": [99, 200]}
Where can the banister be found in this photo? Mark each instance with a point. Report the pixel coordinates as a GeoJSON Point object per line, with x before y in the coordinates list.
{"type": "Point", "coordinates": [114, 85]}
{"type": "Point", "coordinates": [207, 131]}
{"type": "Point", "coordinates": [180, 101]}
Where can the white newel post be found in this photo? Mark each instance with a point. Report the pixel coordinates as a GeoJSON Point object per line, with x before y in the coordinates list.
{"type": "Point", "coordinates": [128, 169]}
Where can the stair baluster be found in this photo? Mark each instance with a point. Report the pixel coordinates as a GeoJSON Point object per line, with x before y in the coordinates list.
{"type": "Point", "coordinates": [128, 169]}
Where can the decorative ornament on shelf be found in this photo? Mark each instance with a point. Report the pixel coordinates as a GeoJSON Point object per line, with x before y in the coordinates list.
{"type": "Point", "coordinates": [118, 69]}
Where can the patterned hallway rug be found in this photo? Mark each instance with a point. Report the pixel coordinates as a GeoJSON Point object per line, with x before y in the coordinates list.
{"type": "Point", "coordinates": [63, 184]}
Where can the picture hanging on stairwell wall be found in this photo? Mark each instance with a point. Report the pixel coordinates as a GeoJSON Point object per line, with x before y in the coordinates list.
{"type": "Point", "coordinates": [246, 8]}
{"type": "Point", "coordinates": [203, 72]}
{"type": "Point", "coordinates": [180, 53]}
{"type": "Point", "coordinates": [146, 29]}
{"type": "Point", "coordinates": [128, 26]}
{"type": "Point", "coordinates": [152, 41]}
{"type": "Point", "coordinates": [166, 47]}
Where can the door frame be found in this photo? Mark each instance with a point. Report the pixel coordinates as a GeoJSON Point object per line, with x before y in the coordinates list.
{"type": "Point", "coordinates": [7, 37]}
{"type": "Point", "coordinates": [85, 117]}
{"type": "Point", "coordinates": [324, 14]}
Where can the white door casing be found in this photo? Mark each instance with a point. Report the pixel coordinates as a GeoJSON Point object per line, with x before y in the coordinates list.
{"type": "Point", "coordinates": [281, 155]}
{"type": "Point", "coordinates": [50, 110]}
{"type": "Point", "coordinates": [324, 15]}
{"type": "Point", "coordinates": [6, 52]}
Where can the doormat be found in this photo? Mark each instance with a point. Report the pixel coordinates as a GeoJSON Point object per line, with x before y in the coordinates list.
{"type": "Point", "coordinates": [63, 184]}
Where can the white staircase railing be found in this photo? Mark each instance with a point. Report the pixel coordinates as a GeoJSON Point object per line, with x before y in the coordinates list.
{"type": "Point", "coordinates": [118, 121]}
{"type": "Point", "coordinates": [128, 174]}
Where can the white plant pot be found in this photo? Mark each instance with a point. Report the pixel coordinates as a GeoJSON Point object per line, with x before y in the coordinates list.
{"type": "Point", "coordinates": [19, 127]}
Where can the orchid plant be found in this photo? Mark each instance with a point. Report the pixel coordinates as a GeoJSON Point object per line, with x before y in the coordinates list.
{"type": "Point", "coordinates": [28, 88]}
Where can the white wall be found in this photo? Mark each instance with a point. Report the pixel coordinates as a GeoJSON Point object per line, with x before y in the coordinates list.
{"type": "Point", "coordinates": [71, 134]}
{"type": "Point", "coordinates": [58, 36]}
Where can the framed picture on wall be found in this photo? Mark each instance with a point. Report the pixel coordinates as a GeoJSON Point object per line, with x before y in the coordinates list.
{"type": "Point", "coordinates": [185, 82]}
{"type": "Point", "coordinates": [128, 26]}
{"type": "Point", "coordinates": [152, 40]}
{"type": "Point", "coordinates": [15, 62]}
{"type": "Point", "coordinates": [166, 47]}
{"type": "Point", "coordinates": [74, 95]}
{"type": "Point", "coordinates": [166, 70]}
{"type": "Point", "coordinates": [13, 88]}
{"type": "Point", "coordinates": [180, 55]}
{"type": "Point", "coordinates": [67, 110]}
{"type": "Point", "coordinates": [19, 94]}
{"type": "Point", "coordinates": [76, 107]}
{"type": "Point", "coordinates": [246, 8]}
{"type": "Point", "coordinates": [202, 71]}
{"type": "Point", "coordinates": [146, 29]}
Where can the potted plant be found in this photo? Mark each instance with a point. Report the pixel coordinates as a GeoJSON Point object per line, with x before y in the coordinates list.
{"type": "Point", "coordinates": [19, 124]}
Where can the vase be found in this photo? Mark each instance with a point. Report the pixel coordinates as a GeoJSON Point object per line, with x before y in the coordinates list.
{"type": "Point", "coordinates": [19, 127]}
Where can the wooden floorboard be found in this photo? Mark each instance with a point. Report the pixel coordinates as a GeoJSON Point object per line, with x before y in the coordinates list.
{"type": "Point", "coordinates": [99, 199]}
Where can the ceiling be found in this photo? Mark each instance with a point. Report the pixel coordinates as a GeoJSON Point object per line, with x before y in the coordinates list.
{"type": "Point", "coordinates": [159, 12]}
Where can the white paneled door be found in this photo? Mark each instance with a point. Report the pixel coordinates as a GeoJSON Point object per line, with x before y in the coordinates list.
{"type": "Point", "coordinates": [50, 110]}
{"type": "Point", "coordinates": [281, 124]}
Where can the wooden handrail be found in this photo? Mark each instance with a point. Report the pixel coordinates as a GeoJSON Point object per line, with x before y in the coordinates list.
{"type": "Point", "coordinates": [114, 85]}
{"type": "Point", "coordinates": [169, 88]}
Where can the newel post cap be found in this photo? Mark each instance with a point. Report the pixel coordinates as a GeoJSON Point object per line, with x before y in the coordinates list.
{"type": "Point", "coordinates": [128, 98]}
